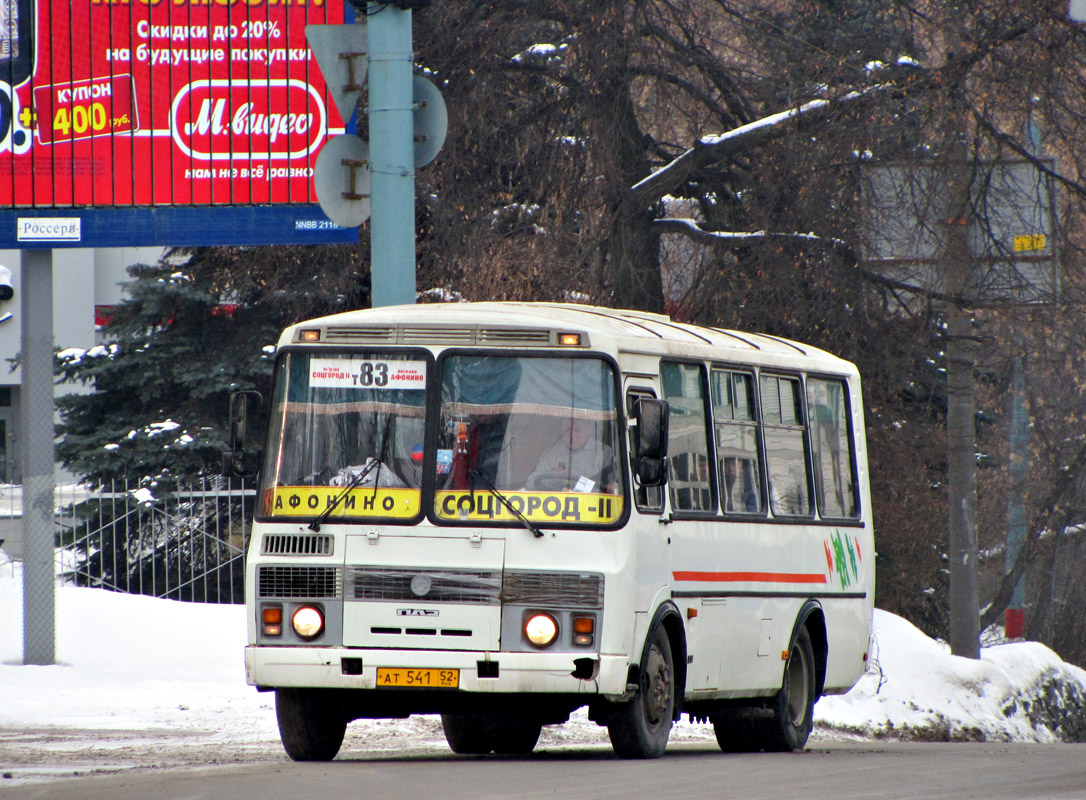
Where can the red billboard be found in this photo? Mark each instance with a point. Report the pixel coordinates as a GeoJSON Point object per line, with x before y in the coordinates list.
{"type": "Point", "coordinates": [126, 103]}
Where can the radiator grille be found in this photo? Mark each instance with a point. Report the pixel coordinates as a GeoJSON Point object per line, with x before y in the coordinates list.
{"type": "Point", "coordinates": [296, 544]}
{"type": "Point", "coordinates": [299, 582]}
{"type": "Point", "coordinates": [575, 590]}
{"type": "Point", "coordinates": [553, 589]}
{"type": "Point", "coordinates": [431, 585]}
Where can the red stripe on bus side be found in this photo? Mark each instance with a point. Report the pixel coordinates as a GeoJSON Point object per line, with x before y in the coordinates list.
{"type": "Point", "coordinates": [752, 577]}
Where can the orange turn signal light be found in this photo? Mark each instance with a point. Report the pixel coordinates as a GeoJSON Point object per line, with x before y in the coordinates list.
{"type": "Point", "coordinates": [584, 629]}
{"type": "Point", "coordinates": [272, 617]}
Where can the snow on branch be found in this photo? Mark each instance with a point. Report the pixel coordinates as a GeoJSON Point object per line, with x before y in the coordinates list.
{"type": "Point", "coordinates": [713, 148]}
{"type": "Point", "coordinates": [692, 229]}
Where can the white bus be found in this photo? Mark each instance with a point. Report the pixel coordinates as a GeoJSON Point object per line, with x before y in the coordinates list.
{"type": "Point", "coordinates": [503, 512]}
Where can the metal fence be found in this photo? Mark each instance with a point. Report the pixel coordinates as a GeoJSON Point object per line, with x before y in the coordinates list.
{"type": "Point", "coordinates": [184, 544]}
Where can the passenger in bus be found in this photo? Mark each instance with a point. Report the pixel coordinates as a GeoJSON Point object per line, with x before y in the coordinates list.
{"type": "Point", "coordinates": [577, 461]}
{"type": "Point", "coordinates": [742, 497]}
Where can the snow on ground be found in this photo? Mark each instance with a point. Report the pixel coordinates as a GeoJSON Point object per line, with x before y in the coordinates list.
{"type": "Point", "coordinates": [142, 682]}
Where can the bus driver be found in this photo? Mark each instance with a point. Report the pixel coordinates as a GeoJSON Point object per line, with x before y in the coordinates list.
{"type": "Point", "coordinates": [577, 461]}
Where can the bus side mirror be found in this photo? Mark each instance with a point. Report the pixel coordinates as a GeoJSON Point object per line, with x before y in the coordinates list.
{"type": "Point", "coordinates": [652, 424]}
{"type": "Point", "coordinates": [237, 461]}
{"type": "Point", "coordinates": [240, 404]}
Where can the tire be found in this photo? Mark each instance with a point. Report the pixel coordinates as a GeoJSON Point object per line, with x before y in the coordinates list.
{"type": "Point", "coordinates": [466, 734]}
{"type": "Point", "coordinates": [793, 706]}
{"type": "Point", "coordinates": [640, 727]}
{"type": "Point", "coordinates": [739, 732]}
{"type": "Point", "coordinates": [512, 736]}
{"type": "Point", "coordinates": [310, 726]}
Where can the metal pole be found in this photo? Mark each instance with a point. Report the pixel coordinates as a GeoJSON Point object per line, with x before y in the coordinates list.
{"type": "Point", "coordinates": [36, 421]}
{"type": "Point", "coordinates": [392, 156]}
{"type": "Point", "coordinates": [1015, 616]}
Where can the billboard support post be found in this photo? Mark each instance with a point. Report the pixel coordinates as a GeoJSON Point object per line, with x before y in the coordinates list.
{"type": "Point", "coordinates": [36, 410]}
{"type": "Point", "coordinates": [392, 156]}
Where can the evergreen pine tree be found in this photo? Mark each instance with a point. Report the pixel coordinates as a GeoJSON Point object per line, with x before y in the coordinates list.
{"type": "Point", "coordinates": [160, 384]}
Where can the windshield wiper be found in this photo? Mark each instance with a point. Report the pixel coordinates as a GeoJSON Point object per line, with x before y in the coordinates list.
{"type": "Point", "coordinates": [354, 483]}
{"type": "Point", "coordinates": [478, 473]}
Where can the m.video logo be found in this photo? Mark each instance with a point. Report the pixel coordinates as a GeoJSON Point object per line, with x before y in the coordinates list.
{"type": "Point", "coordinates": [13, 136]}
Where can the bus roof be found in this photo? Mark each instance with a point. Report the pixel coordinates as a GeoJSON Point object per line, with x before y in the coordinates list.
{"type": "Point", "coordinates": [529, 324]}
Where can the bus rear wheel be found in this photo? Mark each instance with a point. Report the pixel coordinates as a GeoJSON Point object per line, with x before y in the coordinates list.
{"type": "Point", "coordinates": [479, 734]}
{"type": "Point", "coordinates": [310, 725]}
{"type": "Point", "coordinates": [738, 732]}
{"type": "Point", "coordinates": [640, 728]}
{"type": "Point", "coordinates": [786, 723]}
{"type": "Point", "coordinates": [794, 704]}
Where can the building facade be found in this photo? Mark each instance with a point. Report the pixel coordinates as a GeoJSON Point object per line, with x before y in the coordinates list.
{"type": "Point", "coordinates": [86, 282]}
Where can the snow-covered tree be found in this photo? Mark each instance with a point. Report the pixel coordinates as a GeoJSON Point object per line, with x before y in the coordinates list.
{"type": "Point", "coordinates": [159, 382]}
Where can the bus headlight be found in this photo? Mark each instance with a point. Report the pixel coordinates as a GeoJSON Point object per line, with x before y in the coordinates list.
{"type": "Point", "coordinates": [541, 629]}
{"type": "Point", "coordinates": [308, 622]}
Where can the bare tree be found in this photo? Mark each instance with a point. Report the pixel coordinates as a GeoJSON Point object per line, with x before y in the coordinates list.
{"type": "Point", "coordinates": [707, 157]}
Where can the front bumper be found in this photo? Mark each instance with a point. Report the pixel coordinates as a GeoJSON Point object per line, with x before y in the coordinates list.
{"type": "Point", "coordinates": [516, 673]}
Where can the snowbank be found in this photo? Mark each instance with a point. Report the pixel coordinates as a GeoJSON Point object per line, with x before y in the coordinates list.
{"type": "Point", "coordinates": [915, 689]}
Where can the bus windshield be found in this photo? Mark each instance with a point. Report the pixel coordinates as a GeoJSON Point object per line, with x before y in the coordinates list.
{"type": "Point", "coordinates": [530, 428]}
{"type": "Point", "coordinates": [516, 437]}
{"type": "Point", "coordinates": [344, 421]}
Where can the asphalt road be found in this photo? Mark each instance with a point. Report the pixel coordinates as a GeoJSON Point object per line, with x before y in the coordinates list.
{"type": "Point", "coordinates": [834, 771]}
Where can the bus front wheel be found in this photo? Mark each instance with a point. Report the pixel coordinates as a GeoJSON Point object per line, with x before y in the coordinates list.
{"type": "Point", "coordinates": [640, 727]}
{"type": "Point", "coordinates": [512, 736]}
{"type": "Point", "coordinates": [466, 734]}
{"type": "Point", "coordinates": [310, 726]}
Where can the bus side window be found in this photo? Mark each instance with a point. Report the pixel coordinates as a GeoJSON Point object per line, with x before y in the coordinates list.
{"type": "Point", "coordinates": [785, 446]}
{"type": "Point", "coordinates": [689, 476]}
{"type": "Point", "coordinates": [735, 421]}
{"type": "Point", "coordinates": [647, 498]}
{"type": "Point", "coordinates": [833, 452]}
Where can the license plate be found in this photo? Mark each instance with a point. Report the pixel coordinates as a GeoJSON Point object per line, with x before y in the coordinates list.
{"type": "Point", "coordinates": [418, 678]}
